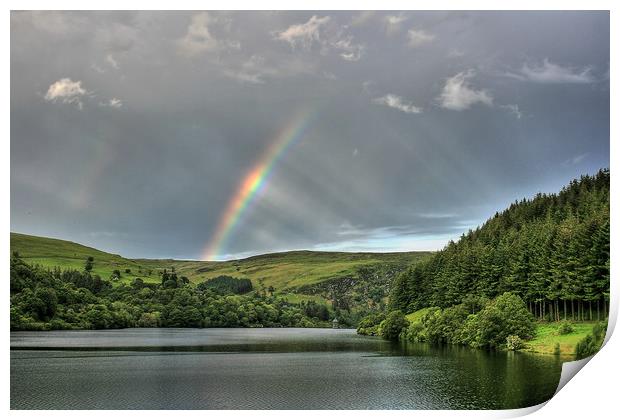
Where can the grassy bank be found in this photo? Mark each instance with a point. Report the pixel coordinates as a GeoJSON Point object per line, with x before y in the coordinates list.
{"type": "Point", "coordinates": [548, 335]}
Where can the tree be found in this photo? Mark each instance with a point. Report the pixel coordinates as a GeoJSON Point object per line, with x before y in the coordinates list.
{"type": "Point", "coordinates": [504, 316]}
{"type": "Point", "coordinates": [392, 326]}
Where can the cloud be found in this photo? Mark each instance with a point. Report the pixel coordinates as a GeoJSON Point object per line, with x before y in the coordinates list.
{"type": "Point", "coordinates": [550, 72]}
{"type": "Point", "coordinates": [52, 22]}
{"type": "Point", "coordinates": [199, 39]}
{"type": "Point", "coordinates": [458, 95]}
{"type": "Point", "coordinates": [393, 23]}
{"type": "Point", "coordinates": [418, 38]}
{"type": "Point", "coordinates": [396, 102]}
{"type": "Point", "coordinates": [362, 18]}
{"type": "Point", "coordinates": [251, 71]}
{"type": "Point", "coordinates": [303, 34]}
{"type": "Point", "coordinates": [66, 91]}
{"type": "Point", "coordinates": [349, 50]}
{"type": "Point", "coordinates": [576, 159]}
{"type": "Point", "coordinates": [112, 103]}
{"type": "Point", "coordinates": [112, 61]}
{"type": "Point", "coordinates": [513, 109]}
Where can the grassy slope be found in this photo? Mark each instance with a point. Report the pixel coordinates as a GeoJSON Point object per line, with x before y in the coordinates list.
{"type": "Point", "coordinates": [547, 335]}
{"type": "Point", "coordinates": [283, 270]}
{"type": "Point", "coordinates": [57, 253]}
{"type": "Point", "coordinates": [416, 316]}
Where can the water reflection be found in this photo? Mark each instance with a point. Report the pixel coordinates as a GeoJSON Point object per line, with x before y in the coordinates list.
{"type": "Point", "coordinates": [266, 369]}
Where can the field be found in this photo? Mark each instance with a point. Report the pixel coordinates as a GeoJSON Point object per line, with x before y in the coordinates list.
{"type": "Point", "coordinates": [284, 271]}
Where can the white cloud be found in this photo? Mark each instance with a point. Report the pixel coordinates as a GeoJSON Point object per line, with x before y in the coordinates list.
{"type": "Point", "coordinates": [112, 103]}
{"type": "Point", "coordinates": [396, 102]}
{"type": "Point", "coordinates": [393, 23]}
{"type": "Point", "coordinates": [417, 38]}
{"type": "Point", "coordinates": [513, 109]}
{"type": "Point", "coordinates": [549, 72]}
{"type": "Point", "coordinates": [303, 34]}
{"type": "Point", "coordinates": [576, 159]}
{"type": "Point", "coordinates": [349, 51]}
{"type": "Point", "coordinates": [458, 95]}
{"type": "Point", "coordinates": [66, 91]}
{"type": "Point", "coordinates": [112, 61]}
{"type": "Point", "coordinates": [199, 38]}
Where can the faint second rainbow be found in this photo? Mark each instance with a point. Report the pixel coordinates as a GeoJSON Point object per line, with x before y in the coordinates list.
{"type": "Point", "coordinates": [255, 180]}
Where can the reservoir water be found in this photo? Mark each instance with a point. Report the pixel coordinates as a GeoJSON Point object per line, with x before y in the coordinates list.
{"type": "Point", "coordinates": [266, 368]}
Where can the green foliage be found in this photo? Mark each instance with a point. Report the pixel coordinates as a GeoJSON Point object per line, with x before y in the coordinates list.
{"type": "Point", "coordinates": [502, 317]}
{"type": "Point", "coordinates": [227, 285]}
{"type": "Point", "coordinates": [514, 342]}
{"type": "Point", "coordinates": [565, 328]}
{"type": "Point", "coordinates": [297, 272]}
{"type": "Point", "coordinates": [393, 324]}
{"type": "Point", "coordinates": [586, 347]}
{"type": "Point", "coordinates": [552, 251]}
{"type": "Point", "coordinates": [42, 300]}
{"type": "Point", "coordinates": [369, 325]}
{"type": "Point", "coordinates": [591, 343]}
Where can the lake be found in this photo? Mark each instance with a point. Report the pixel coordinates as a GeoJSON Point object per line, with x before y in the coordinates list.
{"type": "Point", "coordinates": [266, 368]}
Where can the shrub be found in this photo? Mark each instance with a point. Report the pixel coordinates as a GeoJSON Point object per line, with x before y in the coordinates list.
{"type": "Point", "coordinates": [391, 327]}
{"type": "Point", "coordinates": [369, 325]}
{"type": "Point", "coordinates": [556, 349]}
{"type": "Point", "coordinates": [504, 316]}
{"type": "Point", "coordinates": [565, 328]}
{"type": "Point", "coordinates": [514, 342]}
{"type": "Point", "coordinates": [415, 332]}
{"type": "Point", "coordinates": [591, 343]}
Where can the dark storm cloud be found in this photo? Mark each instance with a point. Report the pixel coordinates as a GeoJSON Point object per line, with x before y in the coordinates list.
{"type": "Point", "coordinates": [132, 131]}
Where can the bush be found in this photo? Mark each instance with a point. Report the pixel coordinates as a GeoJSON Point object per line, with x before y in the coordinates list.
{"type": "Point", "coordinates": [416, 332]}
{"type": "Point", "coordinates": [504, 316]}
{"type": "Point", "coordinates": [392, 326]}
{"type": "Point", "coordinates": [556, 349]}
{"type": "Point", "coordinates": [591, 343]}
{"type": "Point", "coordinates": [369, 325]}
{"type": "Point", "coordinates": [565, 328]}
{"type": "Point", "coordinates": [514, 342]}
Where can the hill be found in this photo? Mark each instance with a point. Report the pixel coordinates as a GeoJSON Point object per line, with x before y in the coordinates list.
{"type": "Point", "coordinates": [297, 275]}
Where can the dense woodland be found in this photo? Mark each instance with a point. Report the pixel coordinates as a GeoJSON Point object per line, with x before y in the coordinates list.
{"type": "Point", "coordinates": [43, 299]}
{"type": "Point", "coordinates": [552, 251]}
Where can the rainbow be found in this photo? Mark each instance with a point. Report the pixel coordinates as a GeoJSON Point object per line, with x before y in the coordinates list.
{"type": "Point", "coordinates": [254, 181]}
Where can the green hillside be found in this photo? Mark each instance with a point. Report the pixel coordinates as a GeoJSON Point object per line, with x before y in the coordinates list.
{"type": "Point", "coordinates": [296, 274]}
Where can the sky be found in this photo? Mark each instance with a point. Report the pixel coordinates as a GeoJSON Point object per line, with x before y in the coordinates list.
{"type": "Point", "coordinates": [219, 135]}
